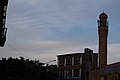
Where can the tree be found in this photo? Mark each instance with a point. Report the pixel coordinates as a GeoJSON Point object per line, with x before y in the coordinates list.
{"type": "Point", "coordinates": [25, 69]}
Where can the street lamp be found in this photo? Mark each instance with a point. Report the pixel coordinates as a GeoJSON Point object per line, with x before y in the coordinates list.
{"type": "Point", "coordinates": [47, 63]}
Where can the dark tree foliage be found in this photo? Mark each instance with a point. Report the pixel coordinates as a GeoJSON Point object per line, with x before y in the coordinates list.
{"type": "Point", "coordinates": [25, 69]}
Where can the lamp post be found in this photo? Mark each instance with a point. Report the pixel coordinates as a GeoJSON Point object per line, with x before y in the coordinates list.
{"type": "Point", "coordinates": [47, 63]}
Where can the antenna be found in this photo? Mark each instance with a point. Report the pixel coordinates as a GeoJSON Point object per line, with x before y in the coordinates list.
{"type": "Point", "coordinates": [103, 11]}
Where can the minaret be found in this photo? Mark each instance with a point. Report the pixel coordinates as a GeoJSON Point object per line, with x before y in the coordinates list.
{"type": "Point", "coordinates": [102, 32]}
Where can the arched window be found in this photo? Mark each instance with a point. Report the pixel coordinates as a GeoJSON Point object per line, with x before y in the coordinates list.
{"type": "Point", "coordinates": [103, 78]}
{"type": "Point", "coordinates": [87, 75]}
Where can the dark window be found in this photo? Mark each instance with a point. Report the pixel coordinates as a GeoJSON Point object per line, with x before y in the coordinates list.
{"type": "Point", "coordinates": [68, 61]}
{"type": "Point", "coordinates": [76, 60]}
{"type": "Point", "coordinates": [119, 76]}
{"type": "Point", "coordinates": [61, 61]}
{"type": "Point", "coordinates": [116, 78]}
{"type": "Point", "coordinates": [61, 73]}
{"type": "Point", "coordinates": [87, 75]}
{"type": "Point", "coordinates": [76, 72]}
{"type": "Point", "coordinates": [68, 73]}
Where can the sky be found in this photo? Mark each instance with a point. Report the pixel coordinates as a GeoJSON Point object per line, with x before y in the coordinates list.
{"type": "Point", "coordinates": [43, 29]}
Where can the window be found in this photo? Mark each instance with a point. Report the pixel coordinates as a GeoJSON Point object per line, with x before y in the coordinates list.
{"type": "Point", "coordinates": [68, 61]}
{"type": "Point", "coordinates": [5, 8]}
{"type": "Point", "coordinates": [3, 21]}
{"type": "Point", "coordinates": [76, 60]}
{"type": "Point", "coordinates": [87, 75]}
{"type": "Point", "coordinates": [61, 62]}
{"type": "Point", "coordinates": [68, 73]}
{"type": "Point", "coordinates": [61, 73]}
{"type": "Point", "coordinates": [119, 76]}
{"type": "Point", "coordinates": [116, 76]}
{"type": "Point", "coordinates": [4, 14]}
{"type": "Point", "coordinates": [76, 73]}
{"type": "Point", "coordinates": [103, 78]}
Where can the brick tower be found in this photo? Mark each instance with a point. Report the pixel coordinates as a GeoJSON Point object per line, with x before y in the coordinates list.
{"type": "Point", "coordinates": [102, 32]}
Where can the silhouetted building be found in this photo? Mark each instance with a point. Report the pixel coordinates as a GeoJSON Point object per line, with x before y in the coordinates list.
{"type": "Point", "coordinates": [73, 66]}
{"type": "Point", "coordinates": [3, 30]}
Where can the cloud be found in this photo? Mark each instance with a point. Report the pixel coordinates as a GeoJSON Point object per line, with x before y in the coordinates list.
{"type": "Point", "coordinates": [42, 50]}
{"type": "Point", "coordinates": [113, 53]}
{"type": "Point", "coordinates": [48, 50]}
{"type": "Point", "coordinates": [40, 28]}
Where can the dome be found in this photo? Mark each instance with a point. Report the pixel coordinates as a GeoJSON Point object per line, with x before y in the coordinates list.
{"type": "Point", "coordinates": [103, 15]}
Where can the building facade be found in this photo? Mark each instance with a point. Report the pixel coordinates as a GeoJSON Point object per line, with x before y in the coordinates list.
{"type": "Point", "coordinates": [72, 66]}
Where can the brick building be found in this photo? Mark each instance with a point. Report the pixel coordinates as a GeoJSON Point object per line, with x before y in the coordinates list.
{"type": "Point", "coordinates": [109, 72]}
{"type": "Point", "coordinates": [72, 66]}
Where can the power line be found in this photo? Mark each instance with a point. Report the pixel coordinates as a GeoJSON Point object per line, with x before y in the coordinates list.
{"type": "Point", "coordinates": [17, 50]}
